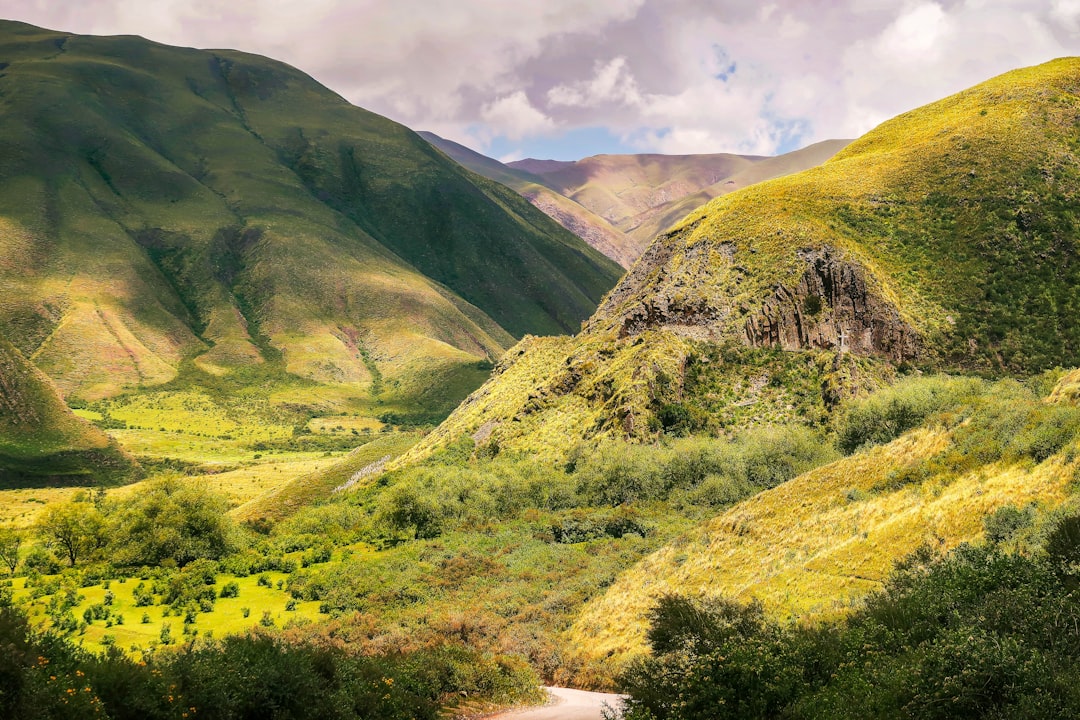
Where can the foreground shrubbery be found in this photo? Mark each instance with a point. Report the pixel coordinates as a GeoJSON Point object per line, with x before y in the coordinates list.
{"type": "Point", "coordinates": [977, 634]}
{"type": "Point", "coordinates": [251, 676]}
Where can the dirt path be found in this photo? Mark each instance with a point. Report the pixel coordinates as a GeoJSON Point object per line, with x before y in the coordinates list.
{"type": "Point", "coordinates": [566, 704]}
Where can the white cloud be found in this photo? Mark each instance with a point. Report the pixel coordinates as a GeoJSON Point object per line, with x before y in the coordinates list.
{"type": "Point", "coordinates": [516, 117]}
{"type": "Point", "coordinates": [612, 83]}
{"type": "Point", "coordinates": [919, 34]}
{"type": "Point", "coordinates": [1067, 12]}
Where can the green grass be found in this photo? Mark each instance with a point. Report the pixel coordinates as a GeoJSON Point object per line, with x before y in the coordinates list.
{"type": "Point", "coordinates": [227, 617]}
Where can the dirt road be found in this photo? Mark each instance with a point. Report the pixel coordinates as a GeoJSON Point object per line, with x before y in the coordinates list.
{"type": "Point", "coordinates": [566, 704]}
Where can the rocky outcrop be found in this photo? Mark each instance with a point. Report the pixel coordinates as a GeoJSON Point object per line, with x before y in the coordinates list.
{"type": "Point", "coordinates": [832, 308]}
{"type": "Point", "coordinates": [834, 305]}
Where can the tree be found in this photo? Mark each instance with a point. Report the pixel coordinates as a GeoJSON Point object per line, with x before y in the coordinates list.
{"type": "Point", "coordinates": [77, 528]}
{"type": "Point", "coordinates": [10, 541]}
{"type": "Point", "coordinates": [171, 519]}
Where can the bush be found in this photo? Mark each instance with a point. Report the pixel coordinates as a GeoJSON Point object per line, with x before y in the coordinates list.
{"type": "Point", "coordinates": [891, 412]}
{"type": "Point", "coordinates": [171, 519]}
{"type": "Point", "coordinates": [1007, 521]}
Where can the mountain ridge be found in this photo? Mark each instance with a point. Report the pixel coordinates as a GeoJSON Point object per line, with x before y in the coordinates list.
{"type": "Point", "coordinates": [618, 203]}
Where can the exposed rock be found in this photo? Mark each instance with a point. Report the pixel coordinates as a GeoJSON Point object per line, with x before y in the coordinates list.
{"type": "Point", "coordinates": [832, 308]}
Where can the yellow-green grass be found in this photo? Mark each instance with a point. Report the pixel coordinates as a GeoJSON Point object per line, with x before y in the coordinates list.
{"type": "Point", "coordinates": [344, 424]}
{"type": "Point", "coordinates": [257, 478]}
{"type": "Point", "coordinates": [245, 484]}
{"type": "Point", "coordinates": [182, 446]}
{"type": "Point", "coordinates": [191, 413]}
{"type": "Point", "coordinates": [20, 507]}
{"type": "Point", "coordinates": [227, 617]}
{"type": "Point", "coordinates": [816, 545]}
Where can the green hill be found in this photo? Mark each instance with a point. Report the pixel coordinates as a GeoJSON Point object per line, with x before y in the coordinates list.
{"type": "Point", "coordinates": [944, 239]}
{"type": "Point", "coordinates": [165, 208]}
{"type": "Point", "coordinates": [40, 438]}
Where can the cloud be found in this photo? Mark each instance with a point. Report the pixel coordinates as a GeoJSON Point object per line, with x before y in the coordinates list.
{"type": "Point", "coordinates": [612, 83]}
{"type": "Point", "coordinates": [662, 75]}
{"type": "Point", "coordinates": [516, 117]}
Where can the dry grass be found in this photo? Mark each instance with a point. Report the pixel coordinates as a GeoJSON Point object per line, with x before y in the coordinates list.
{"type": "Point", "coordinates": [814, 546]}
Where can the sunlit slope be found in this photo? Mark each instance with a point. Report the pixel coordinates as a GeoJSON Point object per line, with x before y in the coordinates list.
{"type": "Point", "coordinates": [160, 203]}
{"type": "Point", "coordinates": [945, 238]}
{"type": "Point", "coordinates": [815, 545]}
{"type": "Point", "coordinates": [40, 439]}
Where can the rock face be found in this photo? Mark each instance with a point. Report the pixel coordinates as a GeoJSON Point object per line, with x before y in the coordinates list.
{"type": "Point", "coordinates": [831, 308]}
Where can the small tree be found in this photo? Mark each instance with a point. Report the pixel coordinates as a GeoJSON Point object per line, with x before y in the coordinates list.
{"type": "Point", "coordinates": [76, 528]}
{"type": "Point", "coordinates": [10, 542]}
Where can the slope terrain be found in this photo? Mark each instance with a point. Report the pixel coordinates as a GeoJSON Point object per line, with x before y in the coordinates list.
{"type": "Point", "coordinates": [932, 241]}
{"type": "Point", "coordinates": [166, 208]}
{"type": "Point", "coordinates": [618, 203]}
{"type": "Point", "coordinates": [40, 438]}
{"type": "Point", "coordinates": [815, 546]}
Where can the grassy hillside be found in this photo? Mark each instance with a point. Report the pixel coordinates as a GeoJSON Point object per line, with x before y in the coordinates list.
{"type": "Point", "coordinates": [986, 456]}
{"type": "Point", "coordinates": [167, 211]}
{"type": "Point", "coordinates": [945, 238]}
{"type": "Point", "coordinates": [41, 440]}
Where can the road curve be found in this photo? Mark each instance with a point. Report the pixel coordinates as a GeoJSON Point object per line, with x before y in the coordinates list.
{"type": "Point", "coordinates": [565, 704]}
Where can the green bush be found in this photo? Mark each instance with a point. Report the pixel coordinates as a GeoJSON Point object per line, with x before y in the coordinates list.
{"type": "Point", "coordinates": [889, 413]}
{"type": "Point", "coordinates": [170, 520]}
{"type": "Point", "coordinates": [1005, 522]}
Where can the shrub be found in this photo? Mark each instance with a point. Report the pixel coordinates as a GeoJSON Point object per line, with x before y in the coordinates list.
{"type": "Point", "coordinates": [888, 413]}
{"type": "Point", "coordinates": [1007, 521]}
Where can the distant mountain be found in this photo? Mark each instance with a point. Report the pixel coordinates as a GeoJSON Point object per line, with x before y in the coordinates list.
{"type": "Point", "coordinates": [618, 203]}
{"type": "Point", "coordinates": [591, 228]}
{"type": "Point", "coordinates": [946, 238]}
{"type": "Point", "coordinates": [40, 438]}
{"type": "Point", "coordinates": [165, 208]}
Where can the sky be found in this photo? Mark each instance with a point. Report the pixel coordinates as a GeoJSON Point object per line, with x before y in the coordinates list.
{"type": "Point", "coordinates": [565, 79]}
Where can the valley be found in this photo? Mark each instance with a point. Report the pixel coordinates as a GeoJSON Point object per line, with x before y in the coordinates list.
{"type": "Point", "coordinates": [300, 417]}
